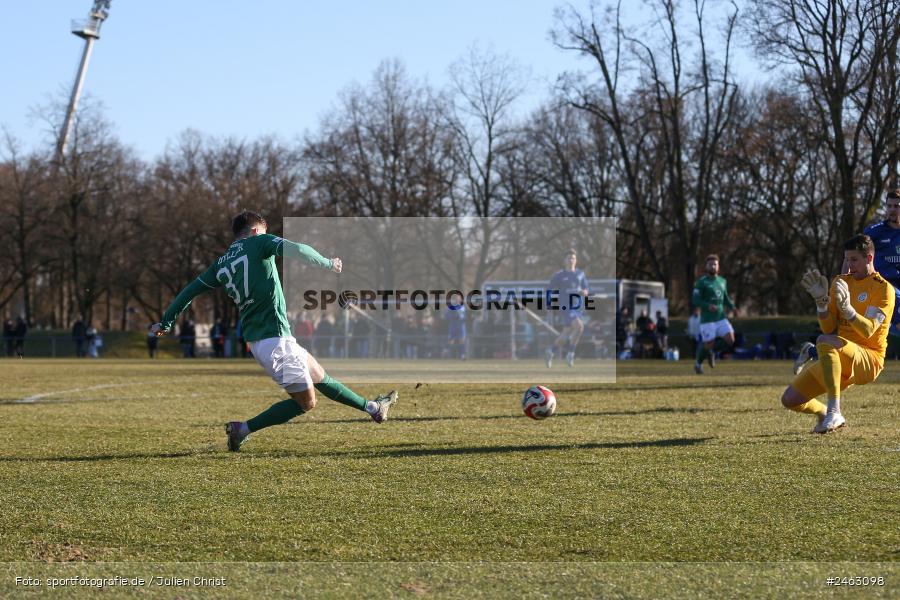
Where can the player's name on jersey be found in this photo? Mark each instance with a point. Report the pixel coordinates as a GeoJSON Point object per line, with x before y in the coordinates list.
{"type": "Point", "coordinates": [233, 251]}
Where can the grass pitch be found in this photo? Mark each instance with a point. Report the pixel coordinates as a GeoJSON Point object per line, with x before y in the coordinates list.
{"type": "Point", "coordinates": [665, 483]}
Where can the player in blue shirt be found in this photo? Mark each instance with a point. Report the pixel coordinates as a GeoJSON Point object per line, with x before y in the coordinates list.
{"type": "Point", "coordinates": [569, 288]}
{"type": "Point", "coordinates": [456, 325]}
{"type": "Point", "coordinates": [886, 236]}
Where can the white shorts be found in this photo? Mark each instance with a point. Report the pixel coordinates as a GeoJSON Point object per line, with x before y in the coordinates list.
{"type": "Point", "coordinates": [286, 362]}
{"type": "Point", "coordinates": [716, 329]}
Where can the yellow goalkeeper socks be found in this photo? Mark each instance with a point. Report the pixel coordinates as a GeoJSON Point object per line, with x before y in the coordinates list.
{"type": "Point", "coordinates": [830, 360]}
{"type": "Point", "coordinates": [810, 407]}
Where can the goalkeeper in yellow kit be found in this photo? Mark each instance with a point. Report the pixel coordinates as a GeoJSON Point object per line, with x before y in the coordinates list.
{"type": "Point", "coordinates": [855, 316]}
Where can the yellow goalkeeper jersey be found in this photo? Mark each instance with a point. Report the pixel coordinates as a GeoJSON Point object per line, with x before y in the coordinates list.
{"type": "Point", "coordinates": [868, 296]}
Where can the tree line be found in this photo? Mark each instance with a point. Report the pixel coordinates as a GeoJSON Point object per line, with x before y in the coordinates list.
{"type": "Point", "coordinates": [658, 131]}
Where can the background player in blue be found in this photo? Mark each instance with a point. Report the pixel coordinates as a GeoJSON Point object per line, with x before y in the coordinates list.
{"type": "Point", "coordinates": [886, 237]}
{"type": "Point", "coordinates": [456, 326]}
{"type": "Point", "coordinates": [570, 287]}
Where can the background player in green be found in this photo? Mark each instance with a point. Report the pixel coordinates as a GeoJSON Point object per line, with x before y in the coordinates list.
{"type": "Point", "coordinates": [248, 272]}
{"type": "Point", "coordinates": [711, 297]}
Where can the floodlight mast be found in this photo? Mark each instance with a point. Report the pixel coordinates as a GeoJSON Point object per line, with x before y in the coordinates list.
{"type": "Point", "coordinates": [89, 30]}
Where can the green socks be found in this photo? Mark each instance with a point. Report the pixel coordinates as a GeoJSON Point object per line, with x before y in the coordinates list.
{"type": "Point", "coordinates": [278, 413]}
{"type": "Point", "coordinates": [701, 353]}
{"type": "Point", "coordinates": [284, 411]}
{"type": "Point", "coordinates": [335, 390]}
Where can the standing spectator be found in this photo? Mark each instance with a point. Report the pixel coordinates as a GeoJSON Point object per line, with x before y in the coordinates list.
{"type": "Point", "coordinates": [304, 330]}
{"type": "Point", "coordinates": [79, 334]}
{"type": "Point", "coordinates": [413, 337]}
{"type": "Point", "coordinates": [188, 338]}
{"type": "Point", "coordinates": [20, 331]}
{"type": "Point", "coordinates": [9, 336]}
{"type": "Point", "coordinates": [398, 336]}
{"type": "Point", "coordinates": [241, 340]}
{"type": "Point", "coordinates": [456, 326]}
{"type": "Point", "coordinates": [662, 331]}
{"type": "Point", "coordinates": [646, 332]}
{"type": "Point", "coordinates": [219, 331]}
{"type": "Point", "coordinates": [361, 331]}
{"type": "Point", "coordinates": [693, 330]}
{"type": "Point", "coordinates": [90, 337]}
{"type": "Point", "coordinates": [96, 345]}
{"type": "Point", "coordinates": [623, 322]}
{"type": "Point", "coordinates": [324, 336]}
{"type": "Point", "coordinates": [596, 331]}
{"type": "Point", "coordinates": [152, 342]}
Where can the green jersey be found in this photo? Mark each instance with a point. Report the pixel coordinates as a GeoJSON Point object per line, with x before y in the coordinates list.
{"type": "Point", "coordinates": [711, 295]}
{"type": "Point", "coordinates": [250, 277]}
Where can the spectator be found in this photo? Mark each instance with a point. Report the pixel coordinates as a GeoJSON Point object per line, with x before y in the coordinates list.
{"type": "Point", "coordinates": [743, 353]}
{"type": "Point", "coordinates": [152, 342]}
{"type": "Point", "coordinates": [662, 331]}
{"type": "Point", "coordinates": [241, 341]}
{"type": "Point", "coordinates": [218, 333]}
{"type": "Point", "coordinates": [596, 330]}
{"type": "Point", "coordinates": [785, 341]}
{"type": "Point", "coordinates": [646, 332]}
{"type": "Point", "coordinates": [9, 336]}
{"type": "Point", "coordinates": [411, 347]}
{"type": "Point", "coordinates": [188, 338]}
{"type": "Point", "coordinates": [304, 330]}
{"type": "Point", "coordinates": [324, 336]}
{"type": "Point", "coordinates": [361, 330]}
{"type": "Point", "coordinates": [92, 340]}
{"type": "Point", "coordinates": [79, 335]}
{"type": "Point", "coordinates": [624, 333]}
{"type": "Point", "coordinates": [771, 345]}
{"type": "Point", "coordinates": [693, 330]}
{"type": "Point", "coordinates": [97, 345]}
{"type": "Point", "coordinates": [621, 318]}
{"type": "Point", "coordinates": [20, 331]}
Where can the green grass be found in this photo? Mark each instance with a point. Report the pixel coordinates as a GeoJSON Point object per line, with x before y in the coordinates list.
{"type": "Point", "coordinates": [125, 461]}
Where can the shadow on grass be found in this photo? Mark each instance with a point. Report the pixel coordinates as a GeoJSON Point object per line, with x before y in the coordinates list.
{"type": "Point", "coordinates": [104, 457]}
{"type": "Point", "coordinates": [662, 410]}
{"type": "Point", "coordinates": [396, 450]}
{"type": "Point", "coordinates": [465, 450]}
{"type": "Point", "coordinates": [616, 387]}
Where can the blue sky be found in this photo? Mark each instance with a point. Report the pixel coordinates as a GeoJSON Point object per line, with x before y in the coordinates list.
{"type": "Point", "coordinates": [252, 68]}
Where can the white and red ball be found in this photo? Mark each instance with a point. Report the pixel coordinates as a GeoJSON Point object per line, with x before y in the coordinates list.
{"type": "Point", "coordinates": [539, 402]}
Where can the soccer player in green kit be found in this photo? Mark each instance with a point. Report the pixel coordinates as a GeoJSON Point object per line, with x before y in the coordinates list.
{"type": "Point", "coordinates": [247, 271]}
{"type": "Point", "coordinates": [711, 297]}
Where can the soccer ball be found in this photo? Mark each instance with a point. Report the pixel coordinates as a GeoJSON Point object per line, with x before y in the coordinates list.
{"type": "Point", "coordinates": [539, 402]}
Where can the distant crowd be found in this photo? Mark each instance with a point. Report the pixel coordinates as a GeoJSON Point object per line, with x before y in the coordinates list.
{"type": "Point", "coordinates": [646, 337]}
{"type": "Point", "coordinates": [643, 337]}
{"type": "Point", "coordinates": [411, 337]}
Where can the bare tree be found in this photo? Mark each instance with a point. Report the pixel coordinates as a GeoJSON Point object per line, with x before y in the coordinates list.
{"type": "Point", "coordinates": [843, 56]}
{"type": "Point", "coordinates": [667, 124]}
{"type": "Point", "coordinates": [23, 187]}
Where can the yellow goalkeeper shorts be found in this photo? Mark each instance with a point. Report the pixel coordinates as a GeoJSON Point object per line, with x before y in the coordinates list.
{"type": "Point", "coordinates": [858, 366]}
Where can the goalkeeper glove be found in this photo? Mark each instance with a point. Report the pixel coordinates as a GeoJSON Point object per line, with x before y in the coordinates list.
{"type": "Point", "coordinates": [816, 286]}
{"type": "Point", "coordinates": [842, 299]}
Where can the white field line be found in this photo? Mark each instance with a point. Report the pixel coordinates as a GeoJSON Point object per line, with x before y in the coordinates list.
{"type": "Point", "coordinates": [35, 397]}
